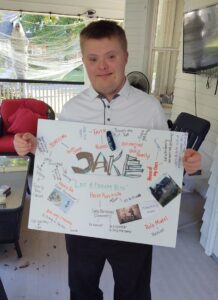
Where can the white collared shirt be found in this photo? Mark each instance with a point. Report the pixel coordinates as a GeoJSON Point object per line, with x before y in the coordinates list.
{"type": "Point", "coordinates": [130, 108]}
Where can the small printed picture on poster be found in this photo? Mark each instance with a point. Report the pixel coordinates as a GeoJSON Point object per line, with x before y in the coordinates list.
{"type": "Point", "coordinates": [61, 200]}
{"type": "Point", "coordinates": [165, 189]}
{"type": "Point", "coordinates": [128, 214]}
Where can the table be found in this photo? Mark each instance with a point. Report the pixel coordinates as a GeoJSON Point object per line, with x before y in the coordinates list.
{"type": "Point", "coordinates": [13, 172]}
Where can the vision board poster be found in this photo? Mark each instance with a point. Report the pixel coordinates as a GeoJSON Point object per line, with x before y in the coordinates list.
{"type": "Point", "coordinates": [128, 192]}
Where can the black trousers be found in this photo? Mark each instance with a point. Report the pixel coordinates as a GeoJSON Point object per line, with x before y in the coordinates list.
{"type": "Point", "coordinates": [130, 262]}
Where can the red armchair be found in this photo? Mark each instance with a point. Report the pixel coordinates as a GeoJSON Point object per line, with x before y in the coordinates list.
{"type": "Point", "coordinates": [20, 115]}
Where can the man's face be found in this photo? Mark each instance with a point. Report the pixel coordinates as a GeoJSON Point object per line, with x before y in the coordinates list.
{"type": "Point", "coordinates": [105, 62]}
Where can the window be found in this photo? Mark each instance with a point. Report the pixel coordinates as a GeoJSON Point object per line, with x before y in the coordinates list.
{"type": "Point", "coordinates": [166, 47]}
{"type": "Point", "coordinates": [36, 47]}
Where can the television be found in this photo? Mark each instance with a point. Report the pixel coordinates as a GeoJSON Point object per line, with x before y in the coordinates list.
{"type": "Point", "coordinates": [200, 39]}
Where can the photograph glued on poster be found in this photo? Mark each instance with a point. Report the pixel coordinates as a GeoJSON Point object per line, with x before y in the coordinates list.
{"type": "Point", "coordinates": [61, 200]}
{"type": "Point", "coordinates": [129, 214]}
{"type": "Point", "coordinates": [84, 187]}
{"type": "Point", "coordinates": [165, 189]}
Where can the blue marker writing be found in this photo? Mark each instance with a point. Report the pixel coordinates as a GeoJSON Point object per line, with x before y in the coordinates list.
{"type": "Point", "coordinates": [110, 140]}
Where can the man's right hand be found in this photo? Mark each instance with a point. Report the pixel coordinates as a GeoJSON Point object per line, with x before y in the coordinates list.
{"type": "Point", "coordinates": [25, 143]}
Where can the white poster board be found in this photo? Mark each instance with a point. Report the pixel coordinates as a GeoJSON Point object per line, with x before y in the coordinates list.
{"type": "Point", "coordinates": [82, 187]}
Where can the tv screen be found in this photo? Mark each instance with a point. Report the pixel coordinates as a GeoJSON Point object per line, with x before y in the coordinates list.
{"type": "Point", "coordinates": [200, 39]}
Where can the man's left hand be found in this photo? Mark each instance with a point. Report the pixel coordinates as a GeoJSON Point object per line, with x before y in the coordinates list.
{"type": "Point", "coordinates": [191, 161]}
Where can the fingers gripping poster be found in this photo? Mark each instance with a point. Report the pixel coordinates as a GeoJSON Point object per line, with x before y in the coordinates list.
{"type": "Point", "coordinates": [129, 191]}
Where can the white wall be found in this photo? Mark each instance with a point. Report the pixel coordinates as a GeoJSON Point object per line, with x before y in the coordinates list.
{"type": "Point", "coordinates": [207, 107]}
{"type": "Point", "coordinates": [139, 30]}
{"type": "Point", "coordinates": [206, 101]}
{"type": "Point", "coordinates": [107, 9]}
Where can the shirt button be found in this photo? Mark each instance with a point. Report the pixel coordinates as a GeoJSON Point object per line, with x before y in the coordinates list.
{"type": "Point", "coordinates": [108, 106]}
{"type": "Point", "coordinates": [108, 119]}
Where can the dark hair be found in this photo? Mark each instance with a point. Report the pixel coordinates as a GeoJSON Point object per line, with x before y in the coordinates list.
{"type": "Point", "coordinates": [103, 29]}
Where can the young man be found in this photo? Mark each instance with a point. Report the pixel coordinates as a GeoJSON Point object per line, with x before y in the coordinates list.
{"type": "Point", "coordinates": [110, 100]}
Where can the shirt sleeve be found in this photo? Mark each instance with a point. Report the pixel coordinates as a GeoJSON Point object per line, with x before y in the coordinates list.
{"type": "Point", "coordinates": [160, 120]}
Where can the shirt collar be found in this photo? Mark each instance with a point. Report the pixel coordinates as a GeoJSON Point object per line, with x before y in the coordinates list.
{"type": "Point", "coordinates": [124, 92]}
{"type": "Point", "coordinates": [92, 93]}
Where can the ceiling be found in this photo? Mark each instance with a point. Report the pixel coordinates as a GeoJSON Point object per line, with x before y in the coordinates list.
{"type": "Point", "coordinates": [112, 9]}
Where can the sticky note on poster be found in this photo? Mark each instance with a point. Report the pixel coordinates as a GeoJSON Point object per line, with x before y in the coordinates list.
{"type": "Point", "coordinates": [82, 186]}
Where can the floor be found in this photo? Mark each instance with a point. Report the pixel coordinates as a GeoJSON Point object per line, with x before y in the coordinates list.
{"type": "Point", "coordinates": [41, 274]}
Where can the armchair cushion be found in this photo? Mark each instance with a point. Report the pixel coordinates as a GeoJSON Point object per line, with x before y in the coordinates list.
{"type": "Point", "coordinates": [9, 107]}
{"type": "Point", "coordinates": [37, 106]}
{"type": "Point", "coordinates": [24, 120]}
{"type": "Point", "coordinates": [20, 115]}
{"type": "Point", "coordinates": [6, 144]}
{"type": "Point", "coordinates": [1, 126]}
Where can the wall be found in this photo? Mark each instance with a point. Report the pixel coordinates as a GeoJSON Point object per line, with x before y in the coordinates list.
{"type": "Point", "coordinates": [187, 88]}
{"type": "Point", "coordinates": [107, 9]}
{"type": "Point", "coordinates": [206, 104]}
{"type": "Point", "coordinates": [139, 29]}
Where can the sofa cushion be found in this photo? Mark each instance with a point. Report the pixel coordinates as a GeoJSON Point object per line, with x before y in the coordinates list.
{"type": "Point", "coordinates": [24, 120]}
